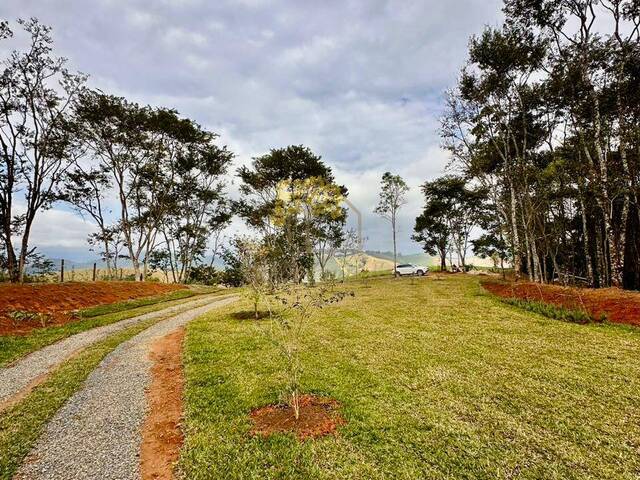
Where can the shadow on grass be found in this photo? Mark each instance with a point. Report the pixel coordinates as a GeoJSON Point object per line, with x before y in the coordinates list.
{"type": "Point", "coordinates": [250, 315]}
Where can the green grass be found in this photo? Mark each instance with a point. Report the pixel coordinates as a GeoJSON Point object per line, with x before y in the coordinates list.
{"type": "Point", "coordinates": [437, 380]}
{"type": "Point", "coordinates": [135, 303]}
{"type": "Point", "coordinates": [14, 347]}
{"type": "Point", "coordinates": [21, 425]}
{"type": "Point", "coordinates": [552, 311]}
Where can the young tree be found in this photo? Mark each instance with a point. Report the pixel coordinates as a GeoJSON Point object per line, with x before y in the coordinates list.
{"type": "Point", "coordinates": [298, 306]}
{"type": "Point", "coordinates": [392, 198]}
{"type": "Point", "coordinates": [349, 247]}
{"type": "Point", "coordinates": [36, 91]}
{"type": "Point", "coordinates": [253, 258]}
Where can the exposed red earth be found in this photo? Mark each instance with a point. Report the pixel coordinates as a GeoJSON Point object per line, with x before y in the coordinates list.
{"type": "Point", "coordinates": [58, 300]}
{"type": "Point", "coordinates": [318, 417]}
{"type": "Point", "coordinates": [617, 305]}
{"type": "Point", "coordinates": [161, 435]}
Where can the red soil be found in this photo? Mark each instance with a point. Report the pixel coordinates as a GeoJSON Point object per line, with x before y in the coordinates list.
{"type": "Point", "coordinates": [161, 435]}
{"type": "Point", "coordinates": [59, 300]}
{"type": "Point", "coordinates": [318, 417]}
{"type": "Point", "coordinates": [617, 305]}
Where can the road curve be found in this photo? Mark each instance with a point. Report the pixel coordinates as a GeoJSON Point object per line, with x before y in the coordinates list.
{"type": "Point", "coordinates": [97, 433]}
{"type": "Point", "coordinates": [18, 377]}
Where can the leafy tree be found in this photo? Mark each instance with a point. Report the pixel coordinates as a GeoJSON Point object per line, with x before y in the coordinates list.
{"type": "Point", "coordinates": [198, 205]}
{"type": "Point", "coordinates": [292, 233]}
{"type": "Point", "coordinates": [392, 198]}
{"type": "Point", "coordinates": [489, 245]}
{"type": "Point", "coordinates": [546, 119]}
{"type": "Point", "coordinates": [452, 209]}
{"type": "Point", "coordinates": [316, 206]}
{"type": "Point", "coordinates": [110, 245]}
{"type": "Point", "coordinates": [432, 228]}
{"type": "Point", "coordinates": [160, 260]}
{"type": "Point", "coordinates": [166, 171]}
{"type": "Point", "coordinates": [40, 265]}
{"type": "Point", "coordinates": [36, 91]}
{"type": "Point", "coordinates": [204, 275]}
{"type": "Point", "coordinates": [85, 188]}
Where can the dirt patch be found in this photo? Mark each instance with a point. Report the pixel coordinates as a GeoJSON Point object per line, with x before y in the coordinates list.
{"type": "Point", "coordinates": [161, 434]}
{"type": "Point", "coordinates": [318, 417]}
{"type": "Point", "coordinates": [617, 305]}
{"type": "Point", "coordinates": [56, 301]}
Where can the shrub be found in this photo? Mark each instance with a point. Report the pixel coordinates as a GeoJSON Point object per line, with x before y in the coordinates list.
{"type": "Point", "coordinates": [19, 316]}
{"type": "Point", "coordinates": [204, 275]}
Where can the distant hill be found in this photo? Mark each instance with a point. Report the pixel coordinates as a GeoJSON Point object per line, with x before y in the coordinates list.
{"type": "Point", "coordinates": [419, 258]}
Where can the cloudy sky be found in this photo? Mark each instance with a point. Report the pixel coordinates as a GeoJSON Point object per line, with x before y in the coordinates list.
{"type": "Point", "coordinates": [360, 82]}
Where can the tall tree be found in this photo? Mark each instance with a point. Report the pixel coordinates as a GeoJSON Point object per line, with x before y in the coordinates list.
{"type": "Point", "coordinates": [432, 226]}
{"type": "Point", "coordinates": [295, 236]}
{"type": "Point", "coordinates": [36, 92]}
{"type": "Point", "coordinates": [85, 188]}
{"type": "Point", "coordinates": [546, 118]}
{"type": "Point", "coordinates": [393, 195]}
{"type": "Point", "coordinates": [166, 171]}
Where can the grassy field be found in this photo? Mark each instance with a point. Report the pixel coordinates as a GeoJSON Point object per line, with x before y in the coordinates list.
{"type": "Point", "coordinates": [436, 379]}
{"type": "Point", "coordinates": [13, 347]}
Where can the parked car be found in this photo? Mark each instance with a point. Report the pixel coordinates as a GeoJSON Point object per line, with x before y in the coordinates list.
{"type": "Point", "coordinates": [411, 269]}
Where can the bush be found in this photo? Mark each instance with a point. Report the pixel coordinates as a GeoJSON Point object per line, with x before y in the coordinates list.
{"type": "Point", "coordinates": [204, 275]}
{"type": "Point", "coordinates": [231, 277]}
{"type": "Point", "coordinates": [19, 316]}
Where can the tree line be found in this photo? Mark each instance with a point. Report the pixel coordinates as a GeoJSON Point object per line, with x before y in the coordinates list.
{"type": "Point", "coordinates": [62, 141]}
{"type": "Point", "coordinates": [543, 126]}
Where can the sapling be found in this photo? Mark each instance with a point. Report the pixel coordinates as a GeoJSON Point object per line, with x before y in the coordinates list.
{"type": "Point", "coordinates": [252, 255]}
{"type": "Point", "coordinates": [297, 307]}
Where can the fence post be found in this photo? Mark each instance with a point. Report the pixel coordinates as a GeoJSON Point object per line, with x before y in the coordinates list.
{"type": "Point", "coordinates": [94, 271]}
{"type": "Point", "coordinates": [62, 270]}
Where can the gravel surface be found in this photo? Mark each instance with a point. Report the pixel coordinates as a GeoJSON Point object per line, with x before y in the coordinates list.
{"type": "Point", "coordinates": [97, 434]}
{"type": "Point", "coordinates": [24, 372]}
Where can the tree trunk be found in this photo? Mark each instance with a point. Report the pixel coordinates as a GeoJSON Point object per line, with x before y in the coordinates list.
{"type": "Point", "coordinates": [443, 260]}
{"type": "Point", "coordinates": [585, 233]}
{"type": "Point", "coordinates": [515, 244]}
{"type": "Point", "coordinates": [395, 256]}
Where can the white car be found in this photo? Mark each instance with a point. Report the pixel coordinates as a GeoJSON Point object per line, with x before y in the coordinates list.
{"type": "Point", "coordinates": [411, 269]}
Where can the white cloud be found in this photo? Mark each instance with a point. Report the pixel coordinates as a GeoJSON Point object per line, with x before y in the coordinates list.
{"type": "Point", "coordinates": [60, 228]}
{"type": "Point", "coordinates": [360, 82]}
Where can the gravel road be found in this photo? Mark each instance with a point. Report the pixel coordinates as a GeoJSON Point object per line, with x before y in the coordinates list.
{"type": "Point", "coordinates": [17, 377]}
{"type": "Point", "coordinates": [97, 434]}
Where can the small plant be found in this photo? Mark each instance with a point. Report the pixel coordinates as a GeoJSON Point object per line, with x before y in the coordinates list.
{"type": "Point", "coordinates": [254, 268]}
{"type": "Point", "coordinates": [298, 304]}
{"type": "Point", "coordinates": [19, 316]}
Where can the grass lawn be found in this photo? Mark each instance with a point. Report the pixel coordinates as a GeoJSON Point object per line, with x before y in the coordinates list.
{"type": "Point", "coordinates": [12, 347]}
{"type": "Point", "coordinates": [436, 379]}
